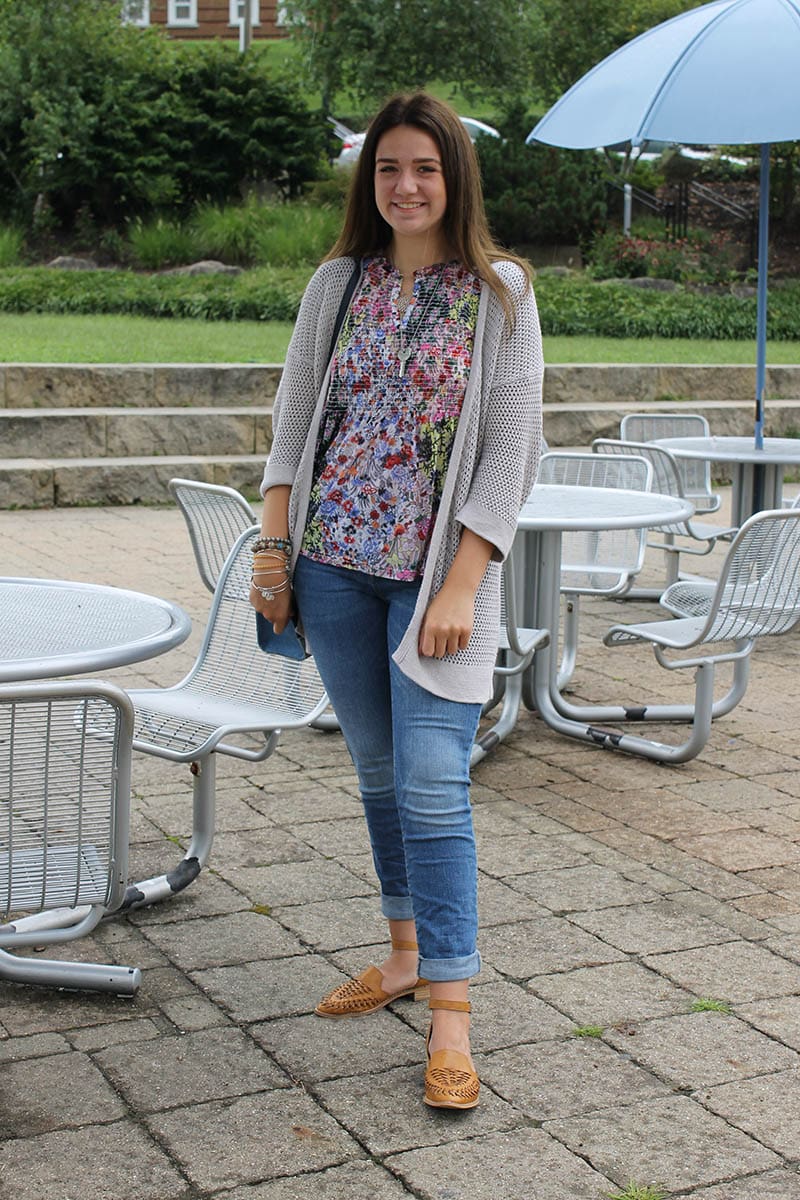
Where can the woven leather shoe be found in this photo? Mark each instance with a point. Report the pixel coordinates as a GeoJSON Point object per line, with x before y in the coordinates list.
{"type": "Point", "coordinates": [364, 994]}
{"type": "Point", "coordinates": [450, 1079]}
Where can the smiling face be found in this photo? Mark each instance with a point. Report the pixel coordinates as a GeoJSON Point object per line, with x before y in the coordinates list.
{"type": "Point", "coordinates": [410, 191]}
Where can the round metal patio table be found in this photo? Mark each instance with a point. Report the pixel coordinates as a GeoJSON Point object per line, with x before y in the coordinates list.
{"type": "Point", "coordinates": [757, 475]}
{"type": "Point", "coordinates": [54, 627]}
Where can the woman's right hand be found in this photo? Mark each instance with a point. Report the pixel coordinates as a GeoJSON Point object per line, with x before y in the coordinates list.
{"type": "Point", "coordinates": [277, 611]}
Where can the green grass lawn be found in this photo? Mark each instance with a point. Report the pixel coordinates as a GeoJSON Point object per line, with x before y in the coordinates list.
{"type": "Point", "coordinates": [123, 339]}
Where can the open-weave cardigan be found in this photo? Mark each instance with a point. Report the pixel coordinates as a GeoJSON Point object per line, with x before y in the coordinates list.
{"type": "Point", "coordinates": [493, 462]}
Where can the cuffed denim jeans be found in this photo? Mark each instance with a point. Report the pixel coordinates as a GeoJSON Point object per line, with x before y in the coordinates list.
{"type": "Point", "coordinates": [411, 750]}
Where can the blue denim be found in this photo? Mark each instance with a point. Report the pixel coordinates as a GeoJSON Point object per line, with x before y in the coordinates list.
{"type": "Point", "coordinates": [411, 750]}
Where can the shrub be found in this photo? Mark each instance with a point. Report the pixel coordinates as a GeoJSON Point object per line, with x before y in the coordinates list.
{"type": "Point", "coordinates": [12, 241]}
{"type": "Point", "coordinates": [699, 258]}
{"type": "Point", "coordinates": [539, 193]}
{"type": "Point", "coordinates": [161, 243]}
{"type": "Point", "coordinates": [297, 233]}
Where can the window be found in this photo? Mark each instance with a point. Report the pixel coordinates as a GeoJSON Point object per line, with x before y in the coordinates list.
{"type": "Point", "coordinates": [136, 12]}
{"type": "Point", "coordinates": [182, 12]}
{"type": "Point", "coordinates": [236, 11]}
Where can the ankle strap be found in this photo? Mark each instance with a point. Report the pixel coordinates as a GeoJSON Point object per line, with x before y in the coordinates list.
{"type": "Point", "coordinates": [399, 944]}
{"type": "Point", "coordinates": [451, 1005]}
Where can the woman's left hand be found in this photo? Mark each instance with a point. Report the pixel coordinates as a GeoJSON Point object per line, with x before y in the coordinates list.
{"type": "Point", "coordinates": [447, 624]}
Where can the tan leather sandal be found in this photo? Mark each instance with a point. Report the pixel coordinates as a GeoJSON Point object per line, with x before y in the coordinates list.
{"type": "Point", "coordinates": [450, 1079]}
{"type": "Point", "coordinates": [364, 994]}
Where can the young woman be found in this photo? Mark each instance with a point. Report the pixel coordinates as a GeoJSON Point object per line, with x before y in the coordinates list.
{"type": "Point", "coordinates": [391, 496]}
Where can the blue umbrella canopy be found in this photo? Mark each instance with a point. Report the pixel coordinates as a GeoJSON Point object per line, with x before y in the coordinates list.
{"type": "Point", "coordinates": [726, 72]}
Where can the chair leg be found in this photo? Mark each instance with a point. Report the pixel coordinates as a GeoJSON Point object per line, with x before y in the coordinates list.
{"type": "Point", "coordinates": [512, 696]}
{"type": "Point", "coordinates": [569, 647]}
{"type": "Point", "coordinates": [161, 887]}
{"type": "Point", "coordinates": [80, 976]}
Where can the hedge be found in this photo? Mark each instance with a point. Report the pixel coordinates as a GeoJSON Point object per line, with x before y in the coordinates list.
{"type": "Point", "coordinates": [568, 306]}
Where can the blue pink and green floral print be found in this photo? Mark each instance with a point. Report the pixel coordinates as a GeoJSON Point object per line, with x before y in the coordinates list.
{"type": "Point", "coordinates": [385, 439]}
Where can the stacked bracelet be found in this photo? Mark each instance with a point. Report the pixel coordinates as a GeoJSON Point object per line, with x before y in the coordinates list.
{"type": "Point", "coordinates": [269, 593]}
{"type": "Point", "coordinates": [272, 543]}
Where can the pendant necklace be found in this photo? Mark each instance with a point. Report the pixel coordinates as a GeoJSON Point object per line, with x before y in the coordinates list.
{"type": "Point", "coordinates": [404, 349]}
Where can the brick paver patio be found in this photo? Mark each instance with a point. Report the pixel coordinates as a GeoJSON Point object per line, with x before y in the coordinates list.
{"type": "Point", "coordinates": [616, 894]}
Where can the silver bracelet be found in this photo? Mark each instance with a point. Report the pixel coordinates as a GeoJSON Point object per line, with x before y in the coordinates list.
{"type": "Point", "coordinates": [271, 593]}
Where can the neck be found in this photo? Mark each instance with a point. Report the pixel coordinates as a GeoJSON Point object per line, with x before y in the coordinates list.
{"type": "Point", "coordinates": [411, 254]}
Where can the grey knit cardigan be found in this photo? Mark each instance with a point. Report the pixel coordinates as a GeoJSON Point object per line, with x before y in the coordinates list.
{"type": "Point", "coordinates": [493, 462]}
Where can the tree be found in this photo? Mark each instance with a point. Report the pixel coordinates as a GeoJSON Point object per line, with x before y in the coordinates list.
{"type": "Point", "coordinates": [571, 36]}
{"type": "Point", "coordinates": [371, 48]}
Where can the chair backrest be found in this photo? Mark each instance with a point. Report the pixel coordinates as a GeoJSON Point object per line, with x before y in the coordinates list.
{"type": "Point", "coordinates": [695, 472]}
{"type": "Point", "coordinates": [596, 563]}
{"type": "Point", "coordinates": [215, 516]}
{"type": "Point", "coordinates": [65, 767]}
{"type": "Point", "coordinates": [666, 474]}
{"type": "Point", "coordinates": [758, 592]}
{"type": "Point", "coordinates": [592, 470]}
{"type": "Point", "coordinates": [233, 686]}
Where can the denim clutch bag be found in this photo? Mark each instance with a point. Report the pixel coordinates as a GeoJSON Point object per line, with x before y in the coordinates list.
{"type": "Point", "coordinates": [289, 643]}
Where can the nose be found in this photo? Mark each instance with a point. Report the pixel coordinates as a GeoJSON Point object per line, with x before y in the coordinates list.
{"type": "Point", "coordinates": [406, 181]}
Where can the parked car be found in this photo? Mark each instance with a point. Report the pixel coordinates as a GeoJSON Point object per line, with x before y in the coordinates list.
{"type": "Point", "coordinates": [352, 142]}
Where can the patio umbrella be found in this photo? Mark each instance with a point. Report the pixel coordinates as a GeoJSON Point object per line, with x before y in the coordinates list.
{"type": "Point", "coordinates": [724, 73]}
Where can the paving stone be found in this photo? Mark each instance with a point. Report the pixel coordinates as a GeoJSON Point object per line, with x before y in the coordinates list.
{"type": "Point", "coordinates": [190, 1013]}
{"type": "Point", "coordinates": [652, 928]}
{"type": "Point", "coordinates": [519, 1165]}
{"type": "Point", "coordinates": [511, 856]}
{"type": "Point", "coordinates": [282, 884]}
{"type": "Point", "coordinates": [765, 906]}
{"type": "Point", "coordinates": [98, 1037]}
{"type": "Point", "coordinates": [386, 1112]}
{"type": "Point", "coordinates": [724, 913]}
{"type": "Point", "coordinates": [311, 1050]}
{"type": "Point", "coordinates": [499, 903]}
{"type": "Point", "coordinates": [767, 1107]}
{"type": "Point", "coordinates": [780, 1018]}
{"type": "Point", "coordinates": [334, 839]}
{"type": "Point", "coordinates": [306, 803]}
{"type": "Point", "coordinates": [611, 995]}
{"type": "Point", "coordinates": [735, 971]}
{"type": "Point", "coordinates": [733, 794]}
{"type": "Point", "coordinates": [701, 1049]}
{"type": "Point", "coordinates": [741, 849]}
{"type": "Point", "coordinates": [353, 1180]}
{"type": "Point", "coordinates": [38, 1045]}
{"type": "Point", "coordinates": [333, 923]}
{"type": "Point", "coordinates": [208, 896]}
{"type": "Point", "coordinates": [112, 1162]}
{"type": "Point", "coordinates": [212, 1064]}
{"type": "Point", "coordinates": [673, 1142]}
{"type": "Point", "coordinates": [542, 945]}
{"type": "Point", "coordinates": [218, 941]}
{"type": "Point", "coordinates": [259, 991]}
{"type": "Point", "coordinates": [774, 1185]}
{"type": "Point", "coordinates": [574, 889]}
{"type": "Point", "coordinates": [503, 1014]}
{"type": "Point", "coordinates": [532, 1078]}
{"type": "Point", "coordinates": [784, 881]}
{"type": "Point", "coordinates": [264, 1136]}
{"type": "Point", "coordinates": [64, 1090]}
{"type": "Point", "coordinates": [31, 1010]}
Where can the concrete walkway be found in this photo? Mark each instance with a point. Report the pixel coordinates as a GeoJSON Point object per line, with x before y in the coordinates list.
{"type": "Point", "coordinates": [637, 1018]}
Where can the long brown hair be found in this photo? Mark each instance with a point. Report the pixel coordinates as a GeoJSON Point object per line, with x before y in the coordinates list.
{"type": "Point", "coordinates": [465, 226]}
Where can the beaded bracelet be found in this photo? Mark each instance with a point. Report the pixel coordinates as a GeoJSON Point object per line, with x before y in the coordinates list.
{"type": "Point", "coordinates": [272, 543]}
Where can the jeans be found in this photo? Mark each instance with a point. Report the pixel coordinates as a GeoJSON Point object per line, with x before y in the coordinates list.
{"type": "Point", "coordinates": [411, 751]}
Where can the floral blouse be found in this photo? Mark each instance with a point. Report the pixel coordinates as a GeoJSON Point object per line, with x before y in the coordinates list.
{"type": "Point", "coordinates": [397, 385]}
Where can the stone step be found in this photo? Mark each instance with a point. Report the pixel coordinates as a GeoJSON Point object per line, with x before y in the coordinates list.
{"type": "Point", "coordinates": [67, 482]}
{"type": "Point", "coordinates": [123, 432]}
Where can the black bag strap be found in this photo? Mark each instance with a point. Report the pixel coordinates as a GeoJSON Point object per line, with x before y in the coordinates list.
{"type": "Point", "coordinates": [345, 304]}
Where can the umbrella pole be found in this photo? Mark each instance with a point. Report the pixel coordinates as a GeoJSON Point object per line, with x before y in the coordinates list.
{"type": "Point", "coordinates": [761, 319]}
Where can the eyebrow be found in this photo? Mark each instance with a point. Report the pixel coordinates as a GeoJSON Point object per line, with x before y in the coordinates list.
{"type": "Point", "coordinates": [387, 159]}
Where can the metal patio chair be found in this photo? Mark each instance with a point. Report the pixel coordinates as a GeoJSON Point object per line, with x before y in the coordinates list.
{"type": "Point", "coordinates": [601, 563]}
{"type": "Point", "coordinates": [235, 700]}
{"type": "Point", "coordinates": [516, 649]}
{"type": "Point", "coordinates": [695, 473]}
{"type": "Point", "coordinates": [667, 479]}
{"type": "Point", "coordinates": [215, 515]}
{"type": "Point", "coordinates": [65, 770]}
{"type": "Point", "coordinates": [757, 595]}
